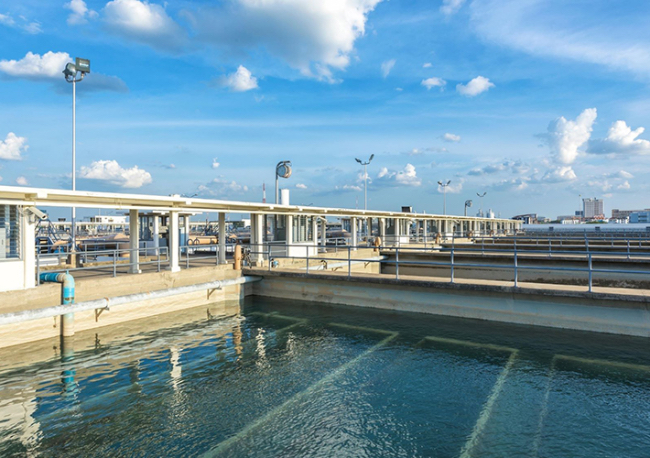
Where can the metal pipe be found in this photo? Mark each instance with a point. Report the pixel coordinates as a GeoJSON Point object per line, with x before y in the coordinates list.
{"type": "Point", "coordinates": [105, 303]}
{"type": "Point", "coordinates": [67, 298]}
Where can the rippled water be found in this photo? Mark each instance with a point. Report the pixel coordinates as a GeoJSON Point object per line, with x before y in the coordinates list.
{"type": "Point", "coordinates": [293, 379]}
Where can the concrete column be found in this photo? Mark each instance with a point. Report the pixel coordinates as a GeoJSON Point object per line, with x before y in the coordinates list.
{"type": "Point", "coordinates": [257, 239]}
{"type": "Point", "coordinates": [186, 228]}
{"type": "Point", "coordinates": [425, 230]}
{"type": "Point", "coordinates": [28, 249]}
{"type": "Point", "coordinates": [382, 230]}
{"type": "Point", "coordinates": [353, 228]}
{"type": "Point", "coordinates": [156, 231]}
{"type": "Point", "coordinates": [289, 231]}
{"type": "Point", "coordinates": [222, 238]}
{"type": "Point", "coordinates": [323, 233]}
{"type": "Point", "coordinates": [134, 242]}
{"type": "Point", "coordinates": [173, 245]}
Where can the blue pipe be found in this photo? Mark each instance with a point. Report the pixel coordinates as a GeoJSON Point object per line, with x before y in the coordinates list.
{"type": "Point", "coordinates": [67, 297]}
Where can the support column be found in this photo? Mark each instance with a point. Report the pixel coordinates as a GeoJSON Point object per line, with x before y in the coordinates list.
{"type": "Point", "coordinates": [323, 233]}
{"type": "Point", "coordinates": [134, 242]}
{"type": "Point", "coordinates": [382, 230]}
{"type": "Point", "coordinates": [156, 231]}
{"type": "Point", "coordinates": [257, 239]}
{"type": "Point", "coordinates": [222, 238]}
{"type": "Point", "coordinates": [353, 228]}
{"type": "Point", "coordinates": [28, 250]}
{"type": "Point", "coordinates": [425, 231]}
{"type": "Point", "coordinates": [173, 245]}
{"type": "Point", "coordinates": [289, 231]}
{"type": "Point", "coordinates": [186, 228]}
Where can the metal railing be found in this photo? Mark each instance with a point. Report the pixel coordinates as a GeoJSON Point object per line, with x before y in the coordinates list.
{"type": "Point", "coordinates": [115, 260]}
{"type": "Point", "coordinates": [453, 264]}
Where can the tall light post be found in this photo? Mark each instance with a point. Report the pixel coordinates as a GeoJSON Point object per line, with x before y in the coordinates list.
{"type": "Point", "coordinates": [365, 180]}
{"type": "Point", "coordinates": [468, 203]}
{"type": "Point", "coordinates": [283, 169]}
{"type": "Point", "coordinates": [481, 202]}
{"type": "Point", "coordinates": [444, 195]}
{"type": "Point", "coordinates": [70, 74]}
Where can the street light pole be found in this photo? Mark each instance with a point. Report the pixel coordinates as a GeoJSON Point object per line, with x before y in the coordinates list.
{"type": "Point", "coordinates": [444, 195]}
{"type": "Point", "coordinates": [70, 73]}
{"type": "Point", "coordinates": [365, 179]}
{"type": "Point", "coordinates": [481, 202]}
{"type": "Point", "coordinates": [282, 169]}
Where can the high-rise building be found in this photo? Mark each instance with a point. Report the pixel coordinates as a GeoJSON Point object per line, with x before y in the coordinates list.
{"type": "Point", "coordinates": [593, 207]}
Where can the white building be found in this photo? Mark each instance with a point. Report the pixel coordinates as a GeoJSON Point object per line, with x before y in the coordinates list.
{"type": "Point", "coordinates": [593, 207]}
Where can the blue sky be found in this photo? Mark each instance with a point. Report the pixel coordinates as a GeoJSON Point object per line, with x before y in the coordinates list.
{"type": "Point", "coordinates": [534, 101]}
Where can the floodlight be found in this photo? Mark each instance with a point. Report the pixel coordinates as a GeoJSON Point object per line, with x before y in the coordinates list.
{"type": "Point", "coordinates": [70, 70]}
{"type": "Point", "coordinates": [83, 65]}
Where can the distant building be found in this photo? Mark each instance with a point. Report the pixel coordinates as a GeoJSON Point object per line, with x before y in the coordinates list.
{"type": "Point", "coordinates": [593, 208]}
{"type": "Point", "coordinates": [528, 218]}
{"type": "Point", "coordinates": [640, 217]}
{"type": "Point", "coordinates": [108, 219]}
{"type": "Point", "coordinates": [621, 214]}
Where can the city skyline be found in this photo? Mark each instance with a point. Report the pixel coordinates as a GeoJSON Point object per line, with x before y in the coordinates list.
{"type": "Point", "coordinates": [535, 103]}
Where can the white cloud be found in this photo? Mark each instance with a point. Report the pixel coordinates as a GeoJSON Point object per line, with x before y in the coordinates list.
{"type": "Point", "coordinates": [80, 12]}
{"type": "Point", "coordinates": [621, 139]}
{"type": "Point", "coordinates": [22, 24]}
{"type": "Point", "coordinates": [433, 82]}
{"type": "Point", "coordinates": [144, 22]}
{"type": "Point", "coordinates": [474, 87]}
{"type": "Point", "coordinates": [348, 187]}
{"type": "Point", "coordinates": [513, 184]}
{"type": "Point", "coordinates": [454, 187]}
{"type": "Point", "coordinates": [559, 175]}
{"type": "Point", "coordinates": [35, 66]}
{"type": "Point", "coordinates": [301, 186]}
{"type": "Point", "coordinates": [49, 67]}
{"type": "Point", "coordinates": [427, 65]}
{"type": "Point", "coordinates": [399, 89]}
{"type": "Point", "coordinates": [624, 185]}
{"type": "Point", "coordinates": [315, 37]}
{"type": "Point", "coordinates": [450, 7]}
{"type": "Point", "coordinates": [220, 187]}
{"type": "Point", "coordinates": [112, 172]}
{"type": "Point", "coordinates": [386, 67]}
{"type": "Point", "coordinates": [12, 147]}
{"type": "Point", "coordinates": [451, 137]}
{"type": "Point", "coordinates": [566, 137]}
{"type": "Point", "coordinates": [405, 177]}
{"type": "Point", "coordinates": [583, 34]}
{"type": "Point", "coordinates": [22, 181]}
{"type": "Point", "coordinates": [215, 164]}
{"type": "Point", "coordinates": [240, 81]}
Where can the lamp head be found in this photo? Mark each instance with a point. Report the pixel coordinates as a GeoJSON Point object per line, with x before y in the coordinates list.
{"type": "Point", "coordinates": [440, 183]}
{"type": "Point", "coordinates": [358, 160]}
{"type": "Point", "coordinates": [70, 71]}
{"type": "Point", "coordinates": [371, 157]}
{"type": "Point", "coordinates": [468, 203]}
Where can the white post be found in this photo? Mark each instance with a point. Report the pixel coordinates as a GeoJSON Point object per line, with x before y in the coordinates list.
{"type": "Point", "coordinates": [289, 232]}
{"type": "Point", "coordinates": [222, 238]}
{"type": "Point", "coordinates": [28, 250]}
{"type": "Point", "coordinates": [134, 243]}
{"type": "Point", "coordinates": [353, 228]}
{"type": "Point", "coordinates": [156, 231]}
{"type": "Point", "coordinates": [257, 238]}
{"type": "Point", "coordinates": [382, 230]}
{"type": "Point", "coordinates": [173, 245]}
{"type": "Point", "coordinates": [425, 223]}
{"type": "Point", "coordinates": [323, 233]}
{"type": "Point", "coordinates": [314, 231]}
{"type": "Point", "coordinates": [73, 229]}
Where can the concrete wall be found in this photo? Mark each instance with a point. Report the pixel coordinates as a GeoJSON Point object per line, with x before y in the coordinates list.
{"type": "Point", "coordinates": [570, 310]}
{"type": "Point", "coordinates": [96, 288]}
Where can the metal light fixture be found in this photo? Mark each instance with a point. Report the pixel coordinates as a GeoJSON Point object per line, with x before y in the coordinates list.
{"type": "Point", "coordinates": [283, 169]}
{"type": "Point", "coordinates": [444, 194]}
{"type": "Point", "coordinates": [70, 72]}
{"type": "Point", "coordinates": [365, 179]}
{"type": "Point", "coordinates": [468, 203]}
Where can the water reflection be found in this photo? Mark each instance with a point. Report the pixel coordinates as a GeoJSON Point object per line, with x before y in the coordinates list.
{"type": "Point", "coordinates": [288, 380]}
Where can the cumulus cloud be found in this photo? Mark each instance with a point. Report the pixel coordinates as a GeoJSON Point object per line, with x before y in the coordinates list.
{"type": "Point", "coordinates": [532, 26]}
{"type": "Point", "coordinates": [301, 186]}
{"type": "Point", "coordinates": [49, 67]}
{"type": "Point", "coordinates": [315, 37]}
{"type": "Point", "coordinates": [80, 12]}
{"type": "Point", "coordinates": [517, 167]}
{"type": "Point", "coordinates": [240, 81]}
{"type": "Point", "coordinates": [624, 185]}
{"type": "Point", "coordinates": [22, 181]}
{"type": "Point", "coordinates": [386, 67]}
{"type": "Point", "coordinates": [215, 164]}
{"type": "Point", "coordinates": [12, 147]}
{"type": "Point", "coordinates": [621, 140]}
{"type": "Point", "coordinates": [405, 177]}
{"type": "Point", "coordinates": [475, 87]}
{"type": "Point", "coordinates": [433, 82]}
{"type": "Point", "coordinates": [221, 187]}
{"type": "Point", "coordinates": [451, 137]}
{"type": "Point", "coordinates": [512, 184]}
{"type": "Point", "coordinates": [559, 175]}
{"type": "Point", "coordinates": [450, 7]}
{"type": "Point", "coordinates": [565, 137]}
{"type": "Point", "coordinates": [144, 22]}
{"type": "Point", "coordinates": [113, 173]}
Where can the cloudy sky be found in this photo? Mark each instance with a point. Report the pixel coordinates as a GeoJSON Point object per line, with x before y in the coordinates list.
{"type": "Point", "coordinates": [535, 102]}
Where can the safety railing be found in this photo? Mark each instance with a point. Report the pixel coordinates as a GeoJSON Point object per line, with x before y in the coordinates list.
{"type": "Point", "coordinates": [113, 261]}
{"type": "Point", "coordinates": [323, 262]}
{"type": "Point", "coordinates": [204, 254]}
